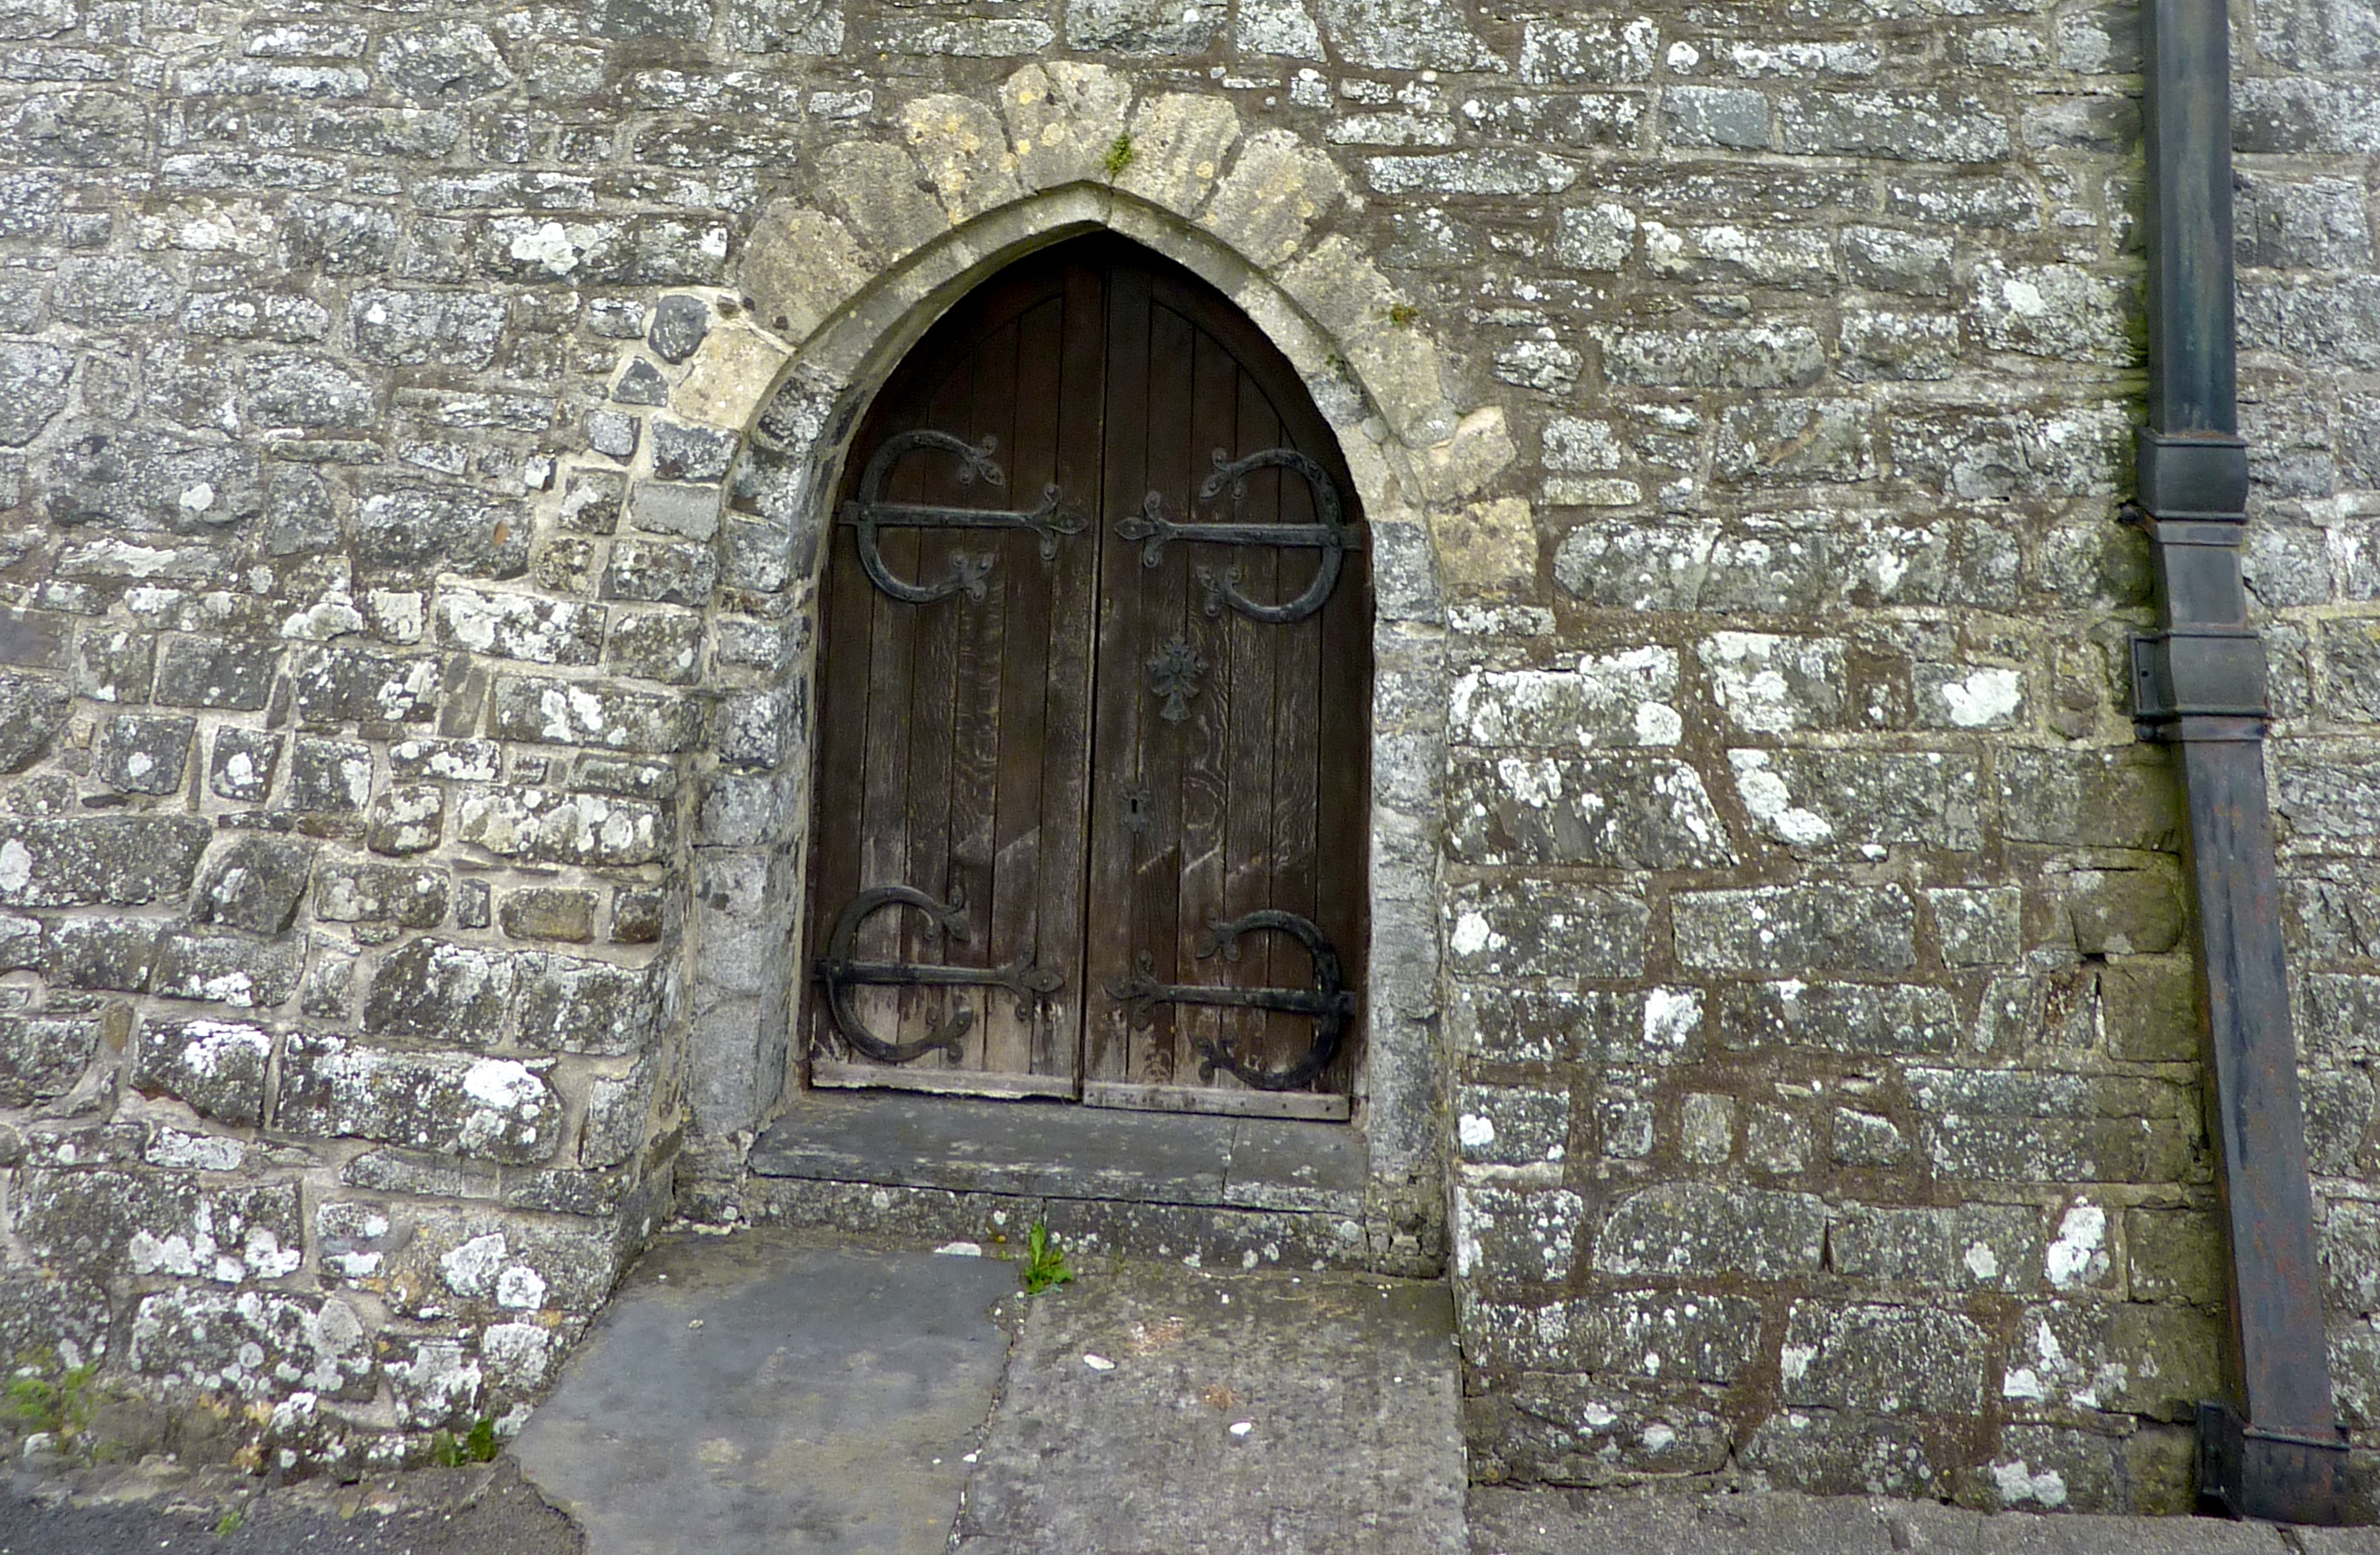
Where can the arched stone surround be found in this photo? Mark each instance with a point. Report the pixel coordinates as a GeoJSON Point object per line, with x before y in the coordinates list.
{"type": "Point", "coordinates": [788, 365]}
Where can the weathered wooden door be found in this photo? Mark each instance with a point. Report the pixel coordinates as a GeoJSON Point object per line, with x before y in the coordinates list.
{"type": "Point", "coordinates": [1095, 701]}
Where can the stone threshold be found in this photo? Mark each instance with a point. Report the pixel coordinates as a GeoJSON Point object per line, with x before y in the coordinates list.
{"type": "Point", "coordinates": [1042, 1149]}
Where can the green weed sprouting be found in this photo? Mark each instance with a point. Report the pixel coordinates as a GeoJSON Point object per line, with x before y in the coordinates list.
{"type": "Point", "coordinates": [478, 1445]}
{"type": "Point", "coordinates": [1119, 156]}
{"type": "Point", "coordinates": [45, 1396]}
{"type": "Point", "coordinates": [1045, 1261]}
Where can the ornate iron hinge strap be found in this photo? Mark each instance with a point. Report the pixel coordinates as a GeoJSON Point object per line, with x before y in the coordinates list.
{"type": "Point", "coordinates": [1329, 535]}
{"type": "Point", "coordinates": [868, 513]}
{"type": "Point", "coordinates": [841, 972]}
{"type": "Point", "coordinates": [1329, 1001]}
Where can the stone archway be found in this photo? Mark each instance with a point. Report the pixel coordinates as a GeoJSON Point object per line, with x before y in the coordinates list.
{"type": "Point", "coordinates": [832, 298]}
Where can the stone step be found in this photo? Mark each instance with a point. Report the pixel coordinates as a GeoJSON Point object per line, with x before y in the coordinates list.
{"type": "Point", "coordinates": [772, 1391]}
{"type": "Point", "coordinates": [1228, 1191]}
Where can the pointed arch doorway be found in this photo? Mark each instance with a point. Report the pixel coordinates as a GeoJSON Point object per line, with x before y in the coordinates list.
{"type": "Point", "coordinates": [1095, 685]}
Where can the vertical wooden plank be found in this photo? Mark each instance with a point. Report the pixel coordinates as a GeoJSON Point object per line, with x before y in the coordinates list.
{"type": "Point", "coordinates": [840, 789]}
{"type": "Point", "coordinates": [1014, 1042]}
{"type": "Point", "coordinates": [884, 830]}
{"type": "Point", "coordinates": [1068, 811]}
{"type": "Point", "coordinates": [930, 724]}
{"type": "Point", "coordinates": [1162, 600]}
{"type": "Point", "coordinates": [1248, 879]}
{"type": "Point", "coordinates": [1343, 789]}
{"type": "Point", "coordinates": [1298, 754]}
{"type": "Point", "coordinates": [1212, 412]}
{"type": "Point", "coordinates": [1115, 849]}
{"type": "Point", "coordinates": [979, 630]}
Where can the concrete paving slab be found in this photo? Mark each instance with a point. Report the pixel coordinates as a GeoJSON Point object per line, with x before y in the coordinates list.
{"type": "Point", "coordinates": [1544, 1522]}
{"type": "Point", "coordinates": [755, 1393]}
{"type": "Point", "coordinates": [1161, 1411]}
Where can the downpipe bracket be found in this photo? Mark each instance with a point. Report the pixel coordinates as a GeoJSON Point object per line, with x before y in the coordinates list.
{"type": "Point", "coordinates": [2205, 683]}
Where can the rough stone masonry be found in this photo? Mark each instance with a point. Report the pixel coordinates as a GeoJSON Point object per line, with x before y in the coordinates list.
{"type": "Point", "coordinates": [414, 427]}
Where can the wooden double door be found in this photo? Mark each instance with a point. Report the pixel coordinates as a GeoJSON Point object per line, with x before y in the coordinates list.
{"type": "Point", "coordinates": [1093, 711]}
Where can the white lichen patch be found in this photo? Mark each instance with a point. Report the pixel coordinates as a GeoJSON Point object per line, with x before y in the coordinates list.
{"type": "Point", "coordinates": [1770, 684]}
{"type": "Point", "coordinates": [1770, 803]}
{"type": "Point", "coordinates": [1983, 699]}
{"type": "Point", "coordinates": [2079, 1255]}
{"type": "Point", "coordinates": [1672, 1015]}
{"type": "Point", "coordinates": [516, 1356]}
{"type": "Point", "coordinates": [2016, 1483]}
{"type": "Point", "coordinates": [471, 1268]}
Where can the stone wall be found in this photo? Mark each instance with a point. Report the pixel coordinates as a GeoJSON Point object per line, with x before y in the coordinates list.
{"type": "Point", "coordinates": [413, 431]}
{"type": "Point", "coordinates": [2310, 339]}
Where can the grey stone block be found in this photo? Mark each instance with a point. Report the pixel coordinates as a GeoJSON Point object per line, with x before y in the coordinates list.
{"type": "Point", "coordinates": [144, 753]}
{"type": "Point", "coordinates": [409, 896]}
{"type": "Point", "coordinates": [42, 1056]}
{"type": "Point", "coordinates": [1696, 1229]}
{"type": "Point", "coordinates": [332, 776]}
{"type": "Point", "coordinates": [487, 1109]}
{"type": "Point", "coordinates": [678, 328]}
{"type": "Point", "coordinates": [252, 1345]}
{"type": "Point", "coordinates": [1816, 928]}
{"type": "Point", "coordinates": [443, 992]}
{"type": "Point", "coordinates": [255, 883]}
{"type": "Point", "coordinates": [86, 861]}
{"type": "Point", "coordinates": [233, 969]}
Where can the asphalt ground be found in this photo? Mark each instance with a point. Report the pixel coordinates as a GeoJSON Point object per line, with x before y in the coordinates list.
{"type": "Point", "coordinates": [486, 1510]}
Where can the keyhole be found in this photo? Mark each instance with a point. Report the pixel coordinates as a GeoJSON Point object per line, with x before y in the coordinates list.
{"type": "Point", "coordinates": [1135, 808]}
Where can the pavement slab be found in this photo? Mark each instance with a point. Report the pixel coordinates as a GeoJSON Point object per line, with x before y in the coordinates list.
{"type": "Point", "coordinates": [755, 1393]}
{"type": "Point", "coordinates": [1154, 1410]}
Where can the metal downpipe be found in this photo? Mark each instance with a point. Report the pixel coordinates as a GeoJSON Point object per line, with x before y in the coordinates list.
{"type": "Point", "coordinates": [2272, 1449]}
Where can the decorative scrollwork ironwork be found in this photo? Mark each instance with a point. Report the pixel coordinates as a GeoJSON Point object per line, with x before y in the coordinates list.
{"type": "Point", "coordinates": [841, 972]}
{"type": "Point", "coordinates": [1329, 535]}
{"type": "Point", "coordinates": [1053, 521]}
{"type": "Point", "coordinates": [1330, 1002]}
